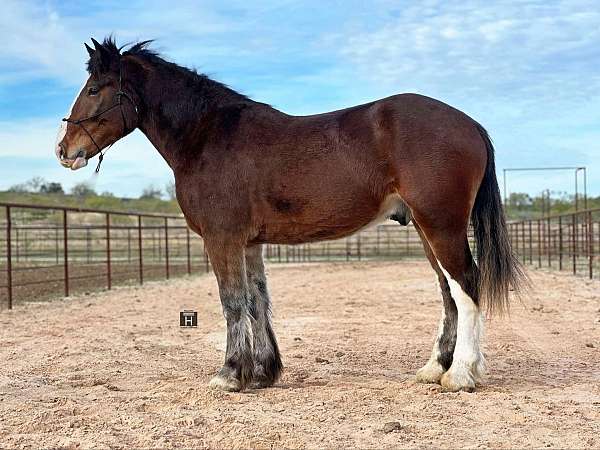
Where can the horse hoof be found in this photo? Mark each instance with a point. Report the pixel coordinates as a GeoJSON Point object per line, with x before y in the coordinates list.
{"type": "Point", "coordinates": [430, 373]}
{"type": "Point", "coordinates": [480, 368]}
{"type": "Point", "coordinates": [227, 384]}
{"type": "Point", "coordinates": [261, 383]}
{"type": "Point", "coordinates": [454, 381]}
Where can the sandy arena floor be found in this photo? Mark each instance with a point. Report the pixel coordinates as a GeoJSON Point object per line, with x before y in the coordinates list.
{"type": "Point", "coordinates": [115, 370]}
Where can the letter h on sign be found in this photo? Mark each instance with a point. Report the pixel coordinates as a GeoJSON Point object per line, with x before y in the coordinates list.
{"type": "Point", "coordinates": [188, 318]}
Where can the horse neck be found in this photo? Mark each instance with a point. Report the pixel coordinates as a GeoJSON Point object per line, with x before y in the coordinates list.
{"type": "Point", "coordinates": [176, 108]}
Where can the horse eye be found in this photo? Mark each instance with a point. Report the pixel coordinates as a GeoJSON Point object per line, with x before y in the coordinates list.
{"type": "Point", "coordinates": [93, 90]}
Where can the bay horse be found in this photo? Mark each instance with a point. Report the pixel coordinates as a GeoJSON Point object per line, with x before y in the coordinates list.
{"type": "Point", "coordinates": [247, 174]}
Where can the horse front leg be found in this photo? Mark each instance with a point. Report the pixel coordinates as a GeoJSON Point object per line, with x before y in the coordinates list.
{"type": "Point", "coordinates": [267, 360]}
{"type": "Point", "coordinates": [230, 269]}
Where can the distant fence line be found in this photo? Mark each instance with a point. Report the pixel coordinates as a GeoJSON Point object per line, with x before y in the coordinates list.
{"type": "Point", "coordinates": [563, 242]}
{"type": "Point", "coordinates": [53, 251]}
{"type": "Point", "coordinates": [48, 252]}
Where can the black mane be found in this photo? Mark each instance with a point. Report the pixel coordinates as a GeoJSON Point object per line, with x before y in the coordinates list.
{"type": "Point", "coordinates": [141, 50]}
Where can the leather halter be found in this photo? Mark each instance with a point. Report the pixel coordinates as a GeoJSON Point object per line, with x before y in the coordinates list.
{"type": "Point", "coordinates": [119, 95]}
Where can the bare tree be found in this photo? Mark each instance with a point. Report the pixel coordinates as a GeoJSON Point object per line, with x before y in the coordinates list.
{"type": "Point", "coordinates": [83, 190]}
{"type": "Point", "coordinates": [170, 190]}
{"type": "Point", "coordinates": [151, 192]}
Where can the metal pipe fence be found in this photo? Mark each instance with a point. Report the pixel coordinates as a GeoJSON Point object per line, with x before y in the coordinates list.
{"type": "Point", "coordinates": [562, 242]}
{"type": "Point", "coordinates": [47, 252]}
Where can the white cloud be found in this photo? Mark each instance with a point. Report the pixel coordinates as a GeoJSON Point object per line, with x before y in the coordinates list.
{"type": "Point", "coordinates": [36, 37]}
{"type": "Point", "coordinates": [41, 42]}
{"type": "Point", "coordinates": [533, 47]}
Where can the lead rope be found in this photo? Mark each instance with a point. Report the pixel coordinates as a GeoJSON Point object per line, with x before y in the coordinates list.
{"type": "Point", "coordinates": [100, 158]}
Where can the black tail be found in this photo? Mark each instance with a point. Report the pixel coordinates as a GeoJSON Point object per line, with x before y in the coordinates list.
{"type": "Point", "coordinates": [499, 269]}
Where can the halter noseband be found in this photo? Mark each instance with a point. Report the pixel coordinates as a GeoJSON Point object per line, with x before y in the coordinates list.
{"type": "Point", "coordinates": [79, 122]}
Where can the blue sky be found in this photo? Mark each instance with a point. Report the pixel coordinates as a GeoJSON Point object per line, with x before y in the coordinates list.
{"type": "Point", "coordinates": [528, 70]}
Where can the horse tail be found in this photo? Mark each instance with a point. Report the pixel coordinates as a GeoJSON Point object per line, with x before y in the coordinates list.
{"type": "Point", "coordinates": [499, 269]}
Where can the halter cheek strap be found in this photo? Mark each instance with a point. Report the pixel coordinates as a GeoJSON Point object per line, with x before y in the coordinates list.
{"type": "Point", "coordinates": [119, 103]}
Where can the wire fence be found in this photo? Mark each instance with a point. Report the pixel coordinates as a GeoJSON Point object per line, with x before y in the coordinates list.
{"type": "Point", "coordinates": [48, 252]}
{"type": "Point", "coordinates": [562, 242]}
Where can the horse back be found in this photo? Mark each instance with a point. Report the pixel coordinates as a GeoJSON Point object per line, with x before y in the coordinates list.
{"type": "Point", "coordinates": [291, 179]}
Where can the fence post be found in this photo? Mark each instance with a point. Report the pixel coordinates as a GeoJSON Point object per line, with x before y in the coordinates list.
{"type": "Point", "coordinates": [65, 253]}
{"type": "Point", "coordinates": [530, 244]}
{"type": "Point", "coordinates": [516, 227]}
{"type": "Point", "coordinates": [524, 242]}
{"type": "Point", "coordinates": [590, 242]}
{"type": "Point", "coordinates": [549, 246]}
{"type": "Point", "coordinates": [167, 246]}
{"type": "Point", "coordinates": [140, 250]}
{"type": "Point", "coordinates": [539, 242]}
{"type": "Point", "coordinates": [560, 244]}
{"type": "Point", "coordinates": [574, 244]}
{"type": "Point", "coordinates": [9, 258]}
{"type": "Point", "coordinates": [108, 268]}
{"type": "Point", "coordinates": [56, 245]}
{"type": "Point", "coordinates": [159, 244]}
{"type": "Point", "coordinates": [128, 243]}
{"type": "Point", "coordinates": [187, 242]}
{"type": "Point", "coordinates": [206, 262]}
{"type": "Point", "coordinates": [358, 247]}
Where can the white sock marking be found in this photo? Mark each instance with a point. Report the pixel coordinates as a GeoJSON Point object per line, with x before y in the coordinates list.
{"type": "Point", "coordinates": [468, 330]}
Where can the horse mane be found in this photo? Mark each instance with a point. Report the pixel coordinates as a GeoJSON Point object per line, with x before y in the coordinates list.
{"type": "Point", "coordinates": [142, 50]}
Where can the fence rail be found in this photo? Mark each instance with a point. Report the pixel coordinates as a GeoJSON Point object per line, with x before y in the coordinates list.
{"type": "Point", "coordinates": [563, 242]}
{"type": "Point", "coordinates": [52, 251]}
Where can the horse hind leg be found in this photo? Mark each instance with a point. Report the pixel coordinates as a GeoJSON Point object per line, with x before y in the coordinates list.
{"type": "Point", "coordinates": [443, 347]}
{"type": "Point", "coordinates": [453, 255]}
{"type": "Point", "coordinates": [267, 359]}
{"type": "Point", "coordinates": [468, 363]}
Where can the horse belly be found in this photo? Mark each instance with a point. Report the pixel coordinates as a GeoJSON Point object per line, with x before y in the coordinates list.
{"type": "Point", "coordinates": [333, 221]}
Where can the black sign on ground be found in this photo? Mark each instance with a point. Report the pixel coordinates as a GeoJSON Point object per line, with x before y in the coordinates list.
{"type": "Point", "coordinates": [188, 318]}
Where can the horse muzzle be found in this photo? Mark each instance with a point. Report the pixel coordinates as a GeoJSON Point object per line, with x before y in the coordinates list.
{"type": "Point", "coordinates": [72, 163]}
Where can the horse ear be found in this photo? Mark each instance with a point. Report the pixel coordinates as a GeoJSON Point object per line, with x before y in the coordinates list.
{"type": "Point", "coordinates": [97, 45]}
{"type": "Point", "coordinates": [89, 49]}
{"type": "Point", "coordinates": [102, 54]}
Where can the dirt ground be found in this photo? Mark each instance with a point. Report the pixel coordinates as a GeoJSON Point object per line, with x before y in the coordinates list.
{"type": "Point", "coordinates": [115, 370]}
